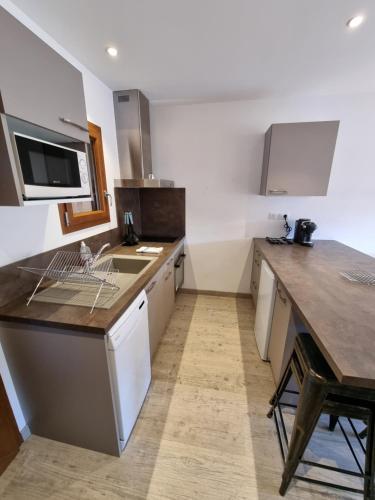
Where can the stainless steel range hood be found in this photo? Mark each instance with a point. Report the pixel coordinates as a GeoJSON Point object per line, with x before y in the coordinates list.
{"type": "Point", "coordinates": [134, 141]}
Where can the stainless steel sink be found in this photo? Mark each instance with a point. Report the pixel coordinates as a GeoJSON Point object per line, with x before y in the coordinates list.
{"type": "Point", "coordinates": [130, 265]}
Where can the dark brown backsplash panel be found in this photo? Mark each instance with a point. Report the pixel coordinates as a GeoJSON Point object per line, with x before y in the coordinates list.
{"type": "Point", "coordinates": [158, 212]}
{"type": "Point", "coordinates": [14, 282]}
{"type": "Point", "coordinates": [163, 211]}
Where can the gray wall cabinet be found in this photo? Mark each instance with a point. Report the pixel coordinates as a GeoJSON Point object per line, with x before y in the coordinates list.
{"type": "Point", "coordinates": [37, 84]}
{"type": "Point", "coordinates": [298, 157]}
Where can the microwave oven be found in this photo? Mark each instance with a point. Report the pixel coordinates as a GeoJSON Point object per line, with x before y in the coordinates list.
{"type": "Point", "coordinates": [49, 171]}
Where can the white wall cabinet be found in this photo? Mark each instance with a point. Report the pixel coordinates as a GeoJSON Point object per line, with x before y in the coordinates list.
{"type": "Point", "coordinates": [297, 158]}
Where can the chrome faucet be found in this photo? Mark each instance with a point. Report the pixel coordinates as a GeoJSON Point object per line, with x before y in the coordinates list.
{"type": "Point", "coordinates": [98, 254]}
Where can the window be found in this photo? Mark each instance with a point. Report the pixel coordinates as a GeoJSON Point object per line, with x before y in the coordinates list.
{"type": "Point", "coordinates": [84, 214]}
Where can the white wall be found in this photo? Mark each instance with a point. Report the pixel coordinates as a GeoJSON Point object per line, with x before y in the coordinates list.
{"type": "Point", "coordinates": [215, 150]}
{"type": "Point", "coordinates": [28, 231]}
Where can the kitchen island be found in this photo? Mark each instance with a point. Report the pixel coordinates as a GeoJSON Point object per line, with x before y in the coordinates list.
{"type": "Point", "coordinates": [339, 314]}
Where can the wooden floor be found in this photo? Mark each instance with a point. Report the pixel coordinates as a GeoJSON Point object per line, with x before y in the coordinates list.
{"type": "Point", "coordinates": [202, 433]}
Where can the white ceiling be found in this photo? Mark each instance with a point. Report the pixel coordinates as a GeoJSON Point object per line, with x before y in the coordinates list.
{"type": "Point", "coordinates": [217, 49]}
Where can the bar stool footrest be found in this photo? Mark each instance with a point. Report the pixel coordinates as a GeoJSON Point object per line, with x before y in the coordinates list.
{"type": "Point", "coordinates": [281, 431]}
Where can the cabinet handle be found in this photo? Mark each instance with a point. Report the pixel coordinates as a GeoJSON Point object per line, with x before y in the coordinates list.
{"type": "Point", "coordinates": [166, 278]}
{"type": "Point", "coordinates": [277, 191]}
{"type": "Point", "coordinates": [180, 259]}
{"type": "Point", "coordinates": [257, 262]}
{"type": "Point", "coordinates": [70, 122]}
{"type": "Point", "coordinates": [283, 299]}
{"type": "Point", "coordinates": [148, 290]}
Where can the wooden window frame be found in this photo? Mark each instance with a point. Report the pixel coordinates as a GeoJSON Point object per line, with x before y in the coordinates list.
{"type": "Point", "coordinates": [70, 221]}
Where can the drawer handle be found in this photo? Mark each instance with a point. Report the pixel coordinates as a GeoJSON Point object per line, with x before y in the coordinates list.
{"type": "Point", "coordinates": [142, 304]}
{"type": "Point", "coordinates": [148, 290]}
{"type": "Point", "coordinates": [70, 122]}
{"type": "Point", "coordinates": [166, 278]}
{"type": "Point", "coordinates": [180, 259]}
{"type": "Point", "coordinates": [278, 191]}
{"type": "Point", "coordinates": [283, 299]}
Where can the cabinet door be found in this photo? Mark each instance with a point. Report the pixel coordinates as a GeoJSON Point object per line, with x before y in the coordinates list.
{"type": "Point", "coordinates": [156, 320]}
{"type": "Point", "coordinates": [161, 298]}
{"type": "Point", "coordinates": [298, 158]}
{"type": "Point", "coordinates": [10, 438]}
{"type": "Point", "coordinates": [168, 290]}
{"type": "Point", "coordinates": [255, 275]}
{"type": "Point", "coordinates": [279, 332]}
{"type": "Point", "coordinates": [37, 84]}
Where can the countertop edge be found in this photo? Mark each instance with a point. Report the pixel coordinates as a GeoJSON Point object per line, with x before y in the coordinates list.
{"type": "Point", "coordinates": [134, 290]}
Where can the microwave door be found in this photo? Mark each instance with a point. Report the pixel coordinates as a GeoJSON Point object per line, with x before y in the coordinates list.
{"type": "Point", "coordinates": [49, 171]}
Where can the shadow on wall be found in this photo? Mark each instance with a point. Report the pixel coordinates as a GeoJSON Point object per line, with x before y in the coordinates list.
{"type": "Point", "coordinates": [222, 266]}
{"type": "Point", "coordinates": [22, 228]}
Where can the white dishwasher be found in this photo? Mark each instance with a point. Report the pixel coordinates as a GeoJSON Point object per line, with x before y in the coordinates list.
{"type": "Point", "coordinates": [129, 361]}
{"type": "Point", "coordinates": [264, 312]}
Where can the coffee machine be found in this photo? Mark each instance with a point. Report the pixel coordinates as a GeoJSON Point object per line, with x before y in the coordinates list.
{"type": "Point", "coordinates": [303, 231]}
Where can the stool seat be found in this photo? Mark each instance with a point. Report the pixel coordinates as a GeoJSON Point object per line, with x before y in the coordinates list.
{"type": "Point", "coordinates": [312, 358]}
{"type": "Point", "coordinates": [321, 392]}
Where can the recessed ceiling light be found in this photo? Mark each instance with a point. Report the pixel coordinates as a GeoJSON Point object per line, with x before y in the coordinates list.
{"type": "Point", "coordinates": [112, 51]}
{"type": "Point", "coordinates": [355, 21]}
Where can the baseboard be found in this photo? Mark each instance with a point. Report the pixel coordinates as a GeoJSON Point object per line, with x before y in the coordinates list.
{"type": "Point", "coordinates": [235, 295]}
{"type": "Point", "coordinates": [25, 432]}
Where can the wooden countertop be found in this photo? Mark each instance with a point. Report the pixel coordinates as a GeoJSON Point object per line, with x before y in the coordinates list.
{"type": "Point", "coordinates": [79, 318]}
{"type": "Point", "coordinates": [339, 314]}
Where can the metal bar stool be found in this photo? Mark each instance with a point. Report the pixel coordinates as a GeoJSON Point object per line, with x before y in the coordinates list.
{"type": "Point", "coordinates": [320, 392]}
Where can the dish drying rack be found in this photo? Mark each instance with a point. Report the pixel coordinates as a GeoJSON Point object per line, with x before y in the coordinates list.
{"type": "Point", "coordinates": [78, 269]}
{"type": "Point", "coordinates": [359, 276]}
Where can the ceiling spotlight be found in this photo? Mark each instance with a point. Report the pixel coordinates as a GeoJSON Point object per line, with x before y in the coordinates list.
{"type": "Point", "coordinates": [355, 21]}
{"type": "Point", "coordinates": [112, 51]}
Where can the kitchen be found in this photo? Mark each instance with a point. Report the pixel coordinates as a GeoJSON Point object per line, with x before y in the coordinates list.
{"type": "Point", "coordinates": [196, 164]}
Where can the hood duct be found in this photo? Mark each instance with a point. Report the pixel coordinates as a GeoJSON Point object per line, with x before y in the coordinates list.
{"type": "Point", "coordinates": [132, 114]}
